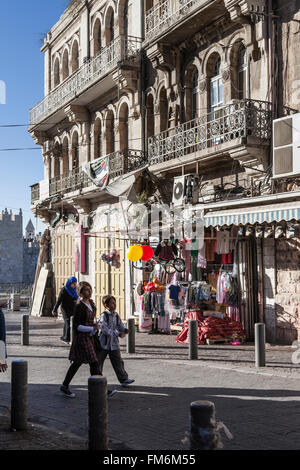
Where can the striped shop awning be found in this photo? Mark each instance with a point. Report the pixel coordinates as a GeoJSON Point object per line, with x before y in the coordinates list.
{"type": "Point", "coordinates": [270, 213]}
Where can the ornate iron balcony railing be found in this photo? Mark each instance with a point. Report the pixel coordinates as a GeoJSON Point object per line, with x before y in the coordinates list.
{"type": "Point", "coordinates": [121, 162]}
{"type": "Point", "coordinates": [240, 118]}
{"type": "Point", "coordinates": [120, 49]}
{"type": "Point", "coordinates": [167, 12]}
{"type": "Point", "coordinates": [35, 192]}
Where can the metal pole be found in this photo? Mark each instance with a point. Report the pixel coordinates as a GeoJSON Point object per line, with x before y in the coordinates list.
{"type": "Point", "coordinates": [193, 339]}
{"type": "Point", "coordinates": [71, 328]}
{"type": "Point", "coordinates": [19, 394]}
{"type": "Point", "coordinates": [131, 335]}
{"type": "Point", "coordinates": [203, 431]}
{"type": "Point", "coordinates": [25, 330]}
{"type": "Point", "coordinates": [260, 345]}
{"type": "Point", "coordinates": [97, 404]}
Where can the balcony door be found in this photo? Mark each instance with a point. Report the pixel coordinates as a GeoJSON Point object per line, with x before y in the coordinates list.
{"type": "Point", "coordinates": [216, 103]}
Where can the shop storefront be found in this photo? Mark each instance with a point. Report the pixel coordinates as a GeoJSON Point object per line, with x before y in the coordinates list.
{"type": "Point", "coordinates": [230, 282]}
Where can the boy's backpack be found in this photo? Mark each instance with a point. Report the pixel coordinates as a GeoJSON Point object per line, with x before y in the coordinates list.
{"type": "Point", "coordinates": [107, 320]}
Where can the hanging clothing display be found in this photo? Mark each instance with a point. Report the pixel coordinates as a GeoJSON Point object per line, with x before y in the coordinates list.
{"type": "Point", "coordinates": [207, 287]}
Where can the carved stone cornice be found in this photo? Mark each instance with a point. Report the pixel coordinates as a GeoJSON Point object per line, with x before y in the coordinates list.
{"type": "Point", "coordinates": [162, 56]}
{"type": "Point", "coordinates": [39, 137]}
{"type": "Point", "coordinates": [76, 113]}
{"type": "Point", "coordinates": [241, 10]}
{"type": "Point", "coordinates": [127, 78]}
{"type": "Point", "coordinates": [83, 206]}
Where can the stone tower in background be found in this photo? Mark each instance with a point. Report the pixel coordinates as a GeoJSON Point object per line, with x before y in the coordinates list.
{"type": "Point", "coordinates": [11, 247]}
{"type": "Point", "coordinates": [31, 249]}
{"type": "Point", "coordinates": [18, 254]}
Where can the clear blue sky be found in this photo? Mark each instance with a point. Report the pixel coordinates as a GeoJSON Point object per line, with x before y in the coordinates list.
{"type": "Point", "coordinates": [22, 27]}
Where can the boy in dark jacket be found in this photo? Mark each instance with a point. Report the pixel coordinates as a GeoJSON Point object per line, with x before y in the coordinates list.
{"type": "Point", "coordinates": [111, 328]}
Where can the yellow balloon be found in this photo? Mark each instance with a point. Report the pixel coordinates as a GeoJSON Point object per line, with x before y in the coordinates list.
{"type": "Point", "coordinates": [135, 253]}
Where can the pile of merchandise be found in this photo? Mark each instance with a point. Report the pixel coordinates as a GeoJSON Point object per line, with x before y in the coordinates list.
{"type": "Point", "coordinates": [211, 328]}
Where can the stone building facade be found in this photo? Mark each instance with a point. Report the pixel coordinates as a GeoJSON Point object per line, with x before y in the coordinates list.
{"type": "Point", "coordinates": [184, 87]}
{"type": "Point", "coordinates": [18, 254]}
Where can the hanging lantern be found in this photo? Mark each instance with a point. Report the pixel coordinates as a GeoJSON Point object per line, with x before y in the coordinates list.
{"type": "Point", "coordinates": [134, 253]}
{"type": "Point", "coordinates": [147, 253]}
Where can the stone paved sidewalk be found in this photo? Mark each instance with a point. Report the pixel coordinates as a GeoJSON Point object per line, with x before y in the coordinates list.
{"type": "Point", "coordinates": [36, 437]}
{"type": "Point", "coordinates": [46, 332]}
{"type": "Point", "coordinates": [260, 407]}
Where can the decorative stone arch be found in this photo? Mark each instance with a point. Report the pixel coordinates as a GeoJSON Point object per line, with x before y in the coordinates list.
{"type": "Point", "coordinates": [191, 86]}
{"type": "Point", "coordinates": [74, 54]}
{"type": "Point", "coordinates": [65, 63]}
{"type": "Point", "coordinates": [215, 49]}
{"type": "Point", "coordinates": [109, 24]}
{"type": "Point", "coordinates": [97, 34]}
{"type": "Point", "coordinates": [110, 123]}
{"type": "Point", "coordinates": [56, 70]}
{"type": "Point", "coordinates": [123, 18]}
{"type": "Point", "coordinates": [97, 135]}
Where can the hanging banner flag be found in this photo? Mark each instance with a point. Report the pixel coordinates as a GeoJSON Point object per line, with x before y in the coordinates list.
{"type": "Point", "coordinates": [98, 171]}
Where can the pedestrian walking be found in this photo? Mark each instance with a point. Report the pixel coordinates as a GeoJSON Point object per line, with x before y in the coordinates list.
{"type": "Point", "coordinates": [85, 341]}
{"type": "Point", "coordinates": [67, 299]}
{"type": "Point", "coordinates": [112, 328]}
{"type": "Point", "coordinates": [3, 353]}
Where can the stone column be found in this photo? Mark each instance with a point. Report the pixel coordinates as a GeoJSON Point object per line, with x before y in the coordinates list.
{"type": "Point", "coordinates": [226, 79]}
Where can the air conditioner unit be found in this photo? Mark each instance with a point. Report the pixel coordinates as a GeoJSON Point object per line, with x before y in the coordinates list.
{"type": "Point", "coordinates": [286, 146]}
{"type": "Point", "coordinates": [185, 190]}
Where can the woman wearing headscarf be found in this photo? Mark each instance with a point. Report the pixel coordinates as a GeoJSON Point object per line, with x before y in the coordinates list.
{"type": "Point", "coordinates": [67, 299]}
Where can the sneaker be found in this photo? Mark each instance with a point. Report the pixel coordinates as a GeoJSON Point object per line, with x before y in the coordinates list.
{"type": "Point", "coordinates": [67, 391]}
{"type": "Point", "coordinates": [111, 393]}
{"type": "Point", "coordinates": [65, 341]}
{"type": "Point", "coordinates": [127, 382]}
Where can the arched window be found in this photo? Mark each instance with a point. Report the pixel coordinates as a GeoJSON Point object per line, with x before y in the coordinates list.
{"type": "Point", "coordinates": [124, 130]}
{"type": "Point", "coordinates": [75, 151]}
{"type": "Point", "coordinates": [216, 85]}
{"type": "Point", "coordinates": [243, 79]}
{"type": "Point", "coordinates": [163, 110]}
{"type": "Point", "coordinates": [56, 73]}
{"type": "Point", "coordinates": [97, 37]}
{"type": "Point", "coordinates": [75, 57]}
{"type": "Point", "coordinates": [150, 116]}
{"type": "Point", "coordinates": [110, 26]}
{"type": "Point", "coordinates": [126, 18]}
{"type": "Point", "coordinates": [65, 155]}
{"type": "Point", "coordinates": [97, 139]}
{"type": "Point", "coordinates": [65, 70]}
{"type": "Point", "coordinates": [110, 132]}
{"type": "Point", "coordinates": [56, 154]}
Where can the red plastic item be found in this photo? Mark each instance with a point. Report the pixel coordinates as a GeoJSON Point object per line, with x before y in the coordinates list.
{"type": "Point", "coordinates": [147, 253]}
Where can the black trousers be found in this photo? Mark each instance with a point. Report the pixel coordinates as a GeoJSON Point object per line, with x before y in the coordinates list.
{"type": "Point", "coordinates": [94, 370]}
{"type": "Point", "coordinates": [67, 326]}
{"type": "Point", "coordinates": [116, 361]}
